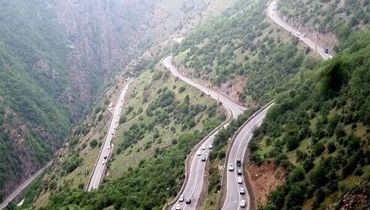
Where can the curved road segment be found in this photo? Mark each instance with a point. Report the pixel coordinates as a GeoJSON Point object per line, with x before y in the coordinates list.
{"type": "Point", "coordinates": [193, 186]}
{"type": "Point", "coordinates": [23, 186]}
{"type": "Point", "coordinates": [106, 148]}
{"type": "Point", "coordinates": [237, 152]}
{"type": "Point", "coordinates": [240, 144]}
{"type": "Point", "coordinates": [274, 16]}
{"type": "Point", "coordinates": [235, 108]}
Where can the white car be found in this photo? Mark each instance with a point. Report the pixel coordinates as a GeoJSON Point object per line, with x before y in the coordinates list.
{"type": "Point", "coordinates": [203, 147]}
{"type": "Point", "coordinates": [243, 203]}
{"type": "Point", "coordinates": [231, 167]}
{"type": "Point", "coordinates": [242, 191]}
{"type": "Point", "coordinates": [199, 153]}
{"type": "Point", "coordinates": [103, 162]}
{"type": "Point", "coordinates": [181, 198]}
{"type": "Point", "coordinates": [178, 207]}
{"type": "Point", "coordinates": [240, 180]}
{"type": "Point", "coordinates": [108, 147]}
{"type": "Point", "coordinates": [210, 146]}
{"type": "Point", "coordinates": [204, 158]}
{"type": "Point", "coordinates": [239, 171]}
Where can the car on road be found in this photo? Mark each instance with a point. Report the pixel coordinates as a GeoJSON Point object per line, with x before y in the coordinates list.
{"type": "Point", "coordinates": [108, 147]}
{"type": "Point", "coordinates": [204, 158]}
{"type": "Point", "coordinates": [188, 201]}
{"type": "Point", "coordinates": [199, 153]}
{"type": "Point", "coordinates": [103, 162]}
{"type": "Point", "coordinates": [239, 180]}
{"type": "Point", "coordinates": [178, 207]}
{"type": "Point", "coordinates": [231, 167]}
{"type": "Point", "coordinates": [243, 204]}
{"type": "Point", "coordinates": [239, 171]}
{"type": "Point", "coordinates": [326, 50]}
{"type": "Point", "coordinates": [242, 191]}
{"type": "Point", "coordinates": [203, 147]}
{"type": "Point", "coordinates": [210, 146]}
{"type": "Point", "coordinates": [181, 198]}
{"type": "Point", "coordinates": [238, 162]}
{"type": "Point", "coordinates": [105, 157]}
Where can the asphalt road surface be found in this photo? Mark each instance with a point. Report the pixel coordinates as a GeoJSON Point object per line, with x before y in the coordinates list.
{"type": "Point", "coordinates": [23, 186]}
{"type": "Point", "coordinates": [235, 108]}
{"type": "Point", "coordinates": [106, 148]}
{"type": "Point", "coordinates": [237, 152]}
{"type": "Point", "coordinates": [193, 187]}
{"type": "Point", "coordinates": [273, 15]}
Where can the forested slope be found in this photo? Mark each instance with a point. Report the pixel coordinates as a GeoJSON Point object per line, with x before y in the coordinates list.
{"type": "Point", "coordinates": [318, 130]}
{"type": "Point", "coordinates": [336, 16]}
{"type": "Point", "coordinates": [243, 44]}
{"type": "Point", "coordinates": [313, 102]}
{"type": "Point", "coordinates": [161, 123]}
{"type": "Point", "coordinates": [56, 57]}
{"type": "Point", "coordinates": [33, 75]}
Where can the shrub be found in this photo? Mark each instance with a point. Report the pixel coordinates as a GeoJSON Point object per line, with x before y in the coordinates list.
{"type": "Point", "coordinates": [93, 143]}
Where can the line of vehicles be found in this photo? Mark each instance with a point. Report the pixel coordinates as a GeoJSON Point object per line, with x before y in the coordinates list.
{"type": "Point", "coordinates": [200, 152]}
{"type": "Point", "coordinates": [298, 34]}
{"type": "Point", "coordinates": [109, 146]}
{"type": "Point", "coordinates": [239, 172]}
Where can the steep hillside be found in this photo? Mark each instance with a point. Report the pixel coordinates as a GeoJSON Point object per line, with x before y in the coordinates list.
{"type": "Point", "coordinates": [157, 113]}
{"type": "Point", "coordinates": [33, 77]}
{"type": "Point", "coordinates": [335, 16]}
{"type": "Point", "coordinates": [57, 56]}
{"type": "Point", "coordinates": [242, 53]}
{"type": "Point", "coordinates": [152, 142]}
{"type": "Point", "coordinates": [326, 21]}
{"type": "Point", "coordinates": [318, 130]}
{"type": "Point", "coordinates": [106, 35]}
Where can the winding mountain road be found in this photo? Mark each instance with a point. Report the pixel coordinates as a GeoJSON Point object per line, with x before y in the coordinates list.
{"type": "Point", "coordinates": [274, 16]}
{"type": "Point", "coordinates": [100, 164]}
{"type": "Point", "coordinates": [235, 108]}
{"type": "Point", "coordinates": [195, 182]}
{"type": "Point", "coordinates": [237, 152]}
{"type": "Point", "coordinates": [192, 188]}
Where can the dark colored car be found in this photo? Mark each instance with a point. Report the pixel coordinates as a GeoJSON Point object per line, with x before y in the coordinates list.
{"type": "Point", "coordinates": [188, 201]}
{"type": "Point", "coordinates": [238, 163]}
{"type": "Point", "coordinates": [326, 50]}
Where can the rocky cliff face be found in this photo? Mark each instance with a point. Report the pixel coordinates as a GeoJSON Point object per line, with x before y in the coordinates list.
{"type": "Point", "coordinates": [104, 36]}
{"type": "Point", "coordinates": [94, 50]}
